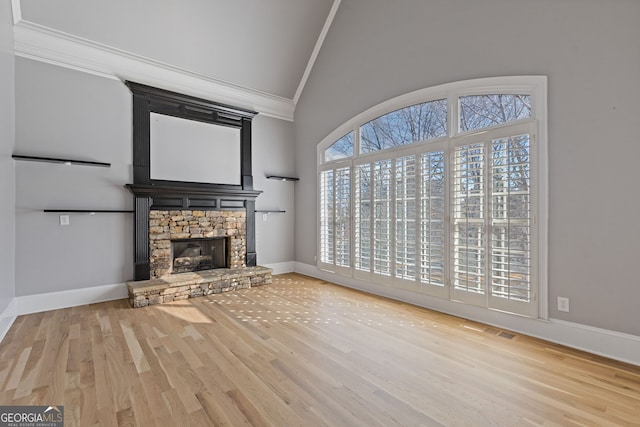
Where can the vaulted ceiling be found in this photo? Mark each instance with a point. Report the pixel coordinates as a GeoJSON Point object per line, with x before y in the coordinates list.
{"type": "Point", "coordinates": [253, 53]}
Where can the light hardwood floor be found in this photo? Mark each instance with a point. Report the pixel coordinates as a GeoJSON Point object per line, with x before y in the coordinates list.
{"type": "Point", "coordinates": [302, 352]}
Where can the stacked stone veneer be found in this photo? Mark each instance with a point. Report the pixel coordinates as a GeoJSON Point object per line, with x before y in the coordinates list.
{"type": "Point", "coordinates": [181, 286]}
{"type": "Point", "coordinates": [165, 226]}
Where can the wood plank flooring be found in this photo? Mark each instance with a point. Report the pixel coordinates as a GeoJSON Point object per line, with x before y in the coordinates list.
{"type": "Point", "coordinates": [303, 352]}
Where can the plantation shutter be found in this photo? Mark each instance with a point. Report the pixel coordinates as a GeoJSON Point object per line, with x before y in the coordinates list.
{"type": "Point", "coordinates": [382, 205]}
{"type": "Point", "coordinates": [362, 219]}
{"type": "Point", "coordinates": [343, 217]}
{"type": "Point", "coordinates": [335, 218]}
{"type": "Point", "coordinates": [327, 229]}
{"type": "Point", "coordinates": [510, 268]}
{"type": "Point", "coordinates": [492, 205]}
{"type": "Point", "coordinates": [405, 217]}
{"type": "Point", "coordinates": [468, 222]}
{"type": "Point", "coordinates": [432, 218]}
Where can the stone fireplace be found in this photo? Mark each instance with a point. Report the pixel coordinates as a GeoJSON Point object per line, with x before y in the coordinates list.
{"type": "Point", "coordinates": [192, 240]}
{"type": "Point", "coordinates": [194, 253]}
{"type": "Point", "coordinates": [209, 224]}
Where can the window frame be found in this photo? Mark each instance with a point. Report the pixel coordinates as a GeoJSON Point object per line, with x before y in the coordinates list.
{"type": "Point", "coordinates": [536, 87]}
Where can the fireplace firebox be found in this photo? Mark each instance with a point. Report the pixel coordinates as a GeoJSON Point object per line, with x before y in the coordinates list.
{"type": "Point", "coordinates": [189, 255]}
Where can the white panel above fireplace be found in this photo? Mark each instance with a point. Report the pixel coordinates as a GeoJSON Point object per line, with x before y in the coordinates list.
{"type": "Point", "coordinates": [192, 151]}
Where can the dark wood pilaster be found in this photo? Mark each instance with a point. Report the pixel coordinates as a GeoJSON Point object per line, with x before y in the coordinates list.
{"type": "Point", "coordinates": [141, 239]}
{"type": "Point", "coordinates": [252, 258]}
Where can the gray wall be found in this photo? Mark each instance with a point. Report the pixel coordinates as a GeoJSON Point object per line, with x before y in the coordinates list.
{"type": "Point", "coordinates": [273, 154]}
{"type": "Point", "coordinates": [7, 140]}
{"type": "Point", "coordinates": [66, 113]}
{"type": "Point", "coordinates": [376, 50]}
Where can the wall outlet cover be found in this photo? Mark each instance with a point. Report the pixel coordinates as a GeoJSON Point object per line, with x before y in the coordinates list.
{"type": "Point", "coordinates": [563, 304]}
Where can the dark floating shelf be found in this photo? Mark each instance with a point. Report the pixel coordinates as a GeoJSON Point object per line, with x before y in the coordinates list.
{"type": "Point", "coordinates": [269, 211]}
{"type": "Point", "coordinates": [89, 211]}
{"type": "Point", "coordinates": [282, 178]}
{"type": "Point", "coordinates": [60, 161]}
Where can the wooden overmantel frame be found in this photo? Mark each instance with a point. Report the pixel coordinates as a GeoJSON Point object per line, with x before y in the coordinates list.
{"type": "Point", "coordinates": [179, 195]}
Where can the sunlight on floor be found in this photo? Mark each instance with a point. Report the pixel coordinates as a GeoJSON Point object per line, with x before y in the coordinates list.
{"type": "Point", "coordinates": [184, 311]}
{"type": "Point", "coordinates": [323, 305]}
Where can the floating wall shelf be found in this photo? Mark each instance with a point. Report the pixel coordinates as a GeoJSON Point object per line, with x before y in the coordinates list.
{"type": "Point", "coordinates": [269, 211]}
{"type": "Point", "coordinates": [282, 178]}
{"type": "Point", "coordinates": [94, 211]}
{"type": "Point", "coordinates": [60, 161]}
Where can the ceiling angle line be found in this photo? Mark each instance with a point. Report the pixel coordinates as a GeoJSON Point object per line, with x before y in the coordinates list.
{"type": "Point", "coordinates": [316, 50]}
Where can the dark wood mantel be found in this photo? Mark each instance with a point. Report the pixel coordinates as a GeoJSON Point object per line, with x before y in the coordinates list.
{"type": "Point", "coordinates": [150, 197]}
{"type": "Point", "coordinates": [185, 197]}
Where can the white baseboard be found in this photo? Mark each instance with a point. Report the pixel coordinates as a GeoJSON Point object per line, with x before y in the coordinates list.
{"type": "Point", "coordinates": [281, 267]}
{"type": "Point", "coordinates": [28, 304]}
{"type": "Point", "coordinates": [7, 317]}
{"type": "Point", "coordinates": [602, 342]}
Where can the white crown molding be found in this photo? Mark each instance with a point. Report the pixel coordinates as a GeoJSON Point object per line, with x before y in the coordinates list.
{"type": "Point", "coordinates": [603, 342]}
{"type": "Point", "coordinates": [16, 11]}
{"type": "Point", "coordinates": [316, 50]}
{"type": "Point", "coordinates": [45, 44]}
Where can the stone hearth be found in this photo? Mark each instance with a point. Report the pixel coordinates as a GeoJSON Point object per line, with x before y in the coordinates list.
{"type": "Point", "coordinates": [181, 286]}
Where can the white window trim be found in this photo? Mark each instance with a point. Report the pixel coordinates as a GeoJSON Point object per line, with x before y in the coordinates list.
{"type": "Point", "coordinates": [536, 86]}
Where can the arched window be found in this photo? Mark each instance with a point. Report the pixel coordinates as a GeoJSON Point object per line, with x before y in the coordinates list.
{"type": "Point", "coordinates": [442, 191]}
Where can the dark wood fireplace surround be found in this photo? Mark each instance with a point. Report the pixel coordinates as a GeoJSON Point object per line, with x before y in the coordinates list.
{"type": "Point", "coordinates": [153, 194]}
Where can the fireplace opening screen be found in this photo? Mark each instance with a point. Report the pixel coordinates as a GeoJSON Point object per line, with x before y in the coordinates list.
{"type": "Point", "coordinates": [198, 254]}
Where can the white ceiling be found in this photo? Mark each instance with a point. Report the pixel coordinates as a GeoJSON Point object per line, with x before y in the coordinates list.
{"type": "Point", "coordinates": [255, 53]}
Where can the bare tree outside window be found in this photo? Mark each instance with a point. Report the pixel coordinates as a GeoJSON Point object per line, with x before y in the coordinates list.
{"type": "Point", "coordinates": [483, 111]}
{"type": "Point", "coordinates": [340, 149]}
{"type": "Point", "coordinates": [407, 125]}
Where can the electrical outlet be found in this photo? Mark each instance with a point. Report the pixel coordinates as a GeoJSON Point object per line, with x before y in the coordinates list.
{"type": "Point", "coordinates": [563, 304]}
{"type": "Point", "coordinates": [64, 219]}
